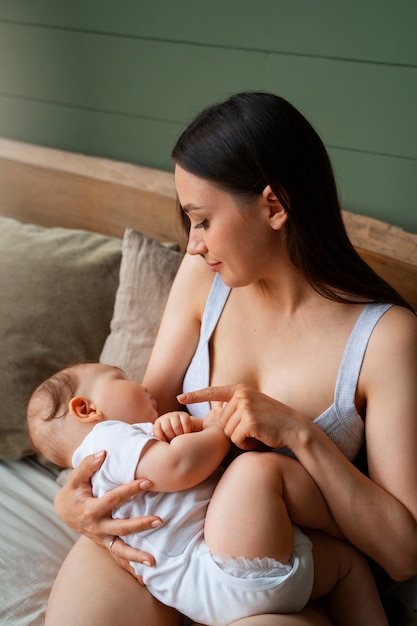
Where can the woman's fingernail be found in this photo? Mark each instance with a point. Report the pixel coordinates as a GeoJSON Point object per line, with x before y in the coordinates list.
{"type": "Point", "coordinates": [147, 563]}
{"type": "Point", "coordinates": [156, 523]}
{"type": "Point", "coordinates": [99, 455]}
{"type": "Point", "coordinates": [145, 484]}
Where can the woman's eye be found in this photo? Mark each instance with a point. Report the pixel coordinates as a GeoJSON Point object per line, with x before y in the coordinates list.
{"type": "Point", "coordinates": [202, 224]}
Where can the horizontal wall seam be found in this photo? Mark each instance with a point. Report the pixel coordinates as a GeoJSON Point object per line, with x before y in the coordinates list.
{"type": "Point", "coordinates": [180, 123]}
{"type": "Point", "coordinates": [210, 45]}
{"type": "Point", "coordinates": [68, 105]}
{"type": "Point", "coordinates": [389, 155]}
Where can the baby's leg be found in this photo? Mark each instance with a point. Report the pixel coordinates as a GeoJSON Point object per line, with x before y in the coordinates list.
{"type": "Point", "coordinates": [92, 589]}
{"type": "Point", "coordinates": [247, 515]}
{"type": "Point", "coordinates": [342, 574]}
{"type": "Point", "coordinates": [255, 503]}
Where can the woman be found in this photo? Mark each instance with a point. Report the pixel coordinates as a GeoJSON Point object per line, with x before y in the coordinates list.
{"type": "Point", "coordinates": [289, 339]}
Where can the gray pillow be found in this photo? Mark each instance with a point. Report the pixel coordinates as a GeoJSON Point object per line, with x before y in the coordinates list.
{"type": "Point", "coordinates": [57, 291]}
{"type": "Point", "coordinates": [146, 274]}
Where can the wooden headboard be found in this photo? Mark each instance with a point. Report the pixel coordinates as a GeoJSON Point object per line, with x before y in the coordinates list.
{"type": "Point", "coordinates": [57, 188]}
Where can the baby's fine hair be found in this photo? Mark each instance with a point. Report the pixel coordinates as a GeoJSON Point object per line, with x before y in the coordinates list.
{"type": "Point", "coordinates": [50, 402]}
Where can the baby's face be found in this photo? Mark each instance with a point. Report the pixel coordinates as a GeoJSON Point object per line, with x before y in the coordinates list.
{"type": "Point", "coordinates": [115, 396]}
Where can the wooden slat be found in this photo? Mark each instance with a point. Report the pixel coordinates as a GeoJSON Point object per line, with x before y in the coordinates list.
{"type": "Point", "coordinates": [389, 250]}
{"type": "Point", "coordinates": [55, 188]}
{"type": "Point", "coordinates": [381, 238]}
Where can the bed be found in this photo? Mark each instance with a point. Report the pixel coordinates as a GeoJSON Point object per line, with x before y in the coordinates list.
{"type": "Point", "coordinates": [88, 250]}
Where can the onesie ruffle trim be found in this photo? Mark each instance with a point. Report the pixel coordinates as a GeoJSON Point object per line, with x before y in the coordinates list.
{"type": "Point", "coordinates": [242, 567]}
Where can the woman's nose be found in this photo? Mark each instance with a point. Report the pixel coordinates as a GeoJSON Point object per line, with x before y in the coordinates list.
{"type": "Point", "coordinates": [196, 243]}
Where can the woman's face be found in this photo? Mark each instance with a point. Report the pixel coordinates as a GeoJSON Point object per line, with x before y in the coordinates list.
{"type": "Point", "coordinates": [236, 241]}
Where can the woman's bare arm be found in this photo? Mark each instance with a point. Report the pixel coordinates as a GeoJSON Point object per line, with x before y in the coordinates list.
{"type": "Point", "coordinates": [178, 333]}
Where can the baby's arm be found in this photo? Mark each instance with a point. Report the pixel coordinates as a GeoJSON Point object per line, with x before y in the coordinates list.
{"type": "Point", "coordinates": [185, 461]}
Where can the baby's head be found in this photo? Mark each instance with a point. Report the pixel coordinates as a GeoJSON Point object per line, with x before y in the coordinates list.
{"type": "Point", "coordinates": [64, 408]}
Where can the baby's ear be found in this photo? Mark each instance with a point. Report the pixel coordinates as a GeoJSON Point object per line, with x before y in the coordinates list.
{"type": "Point", "coordinates": [81, 409]}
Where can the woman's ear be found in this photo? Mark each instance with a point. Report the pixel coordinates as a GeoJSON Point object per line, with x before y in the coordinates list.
{"type": "Point", "coordinates": [277, 214]}
{"type": "Point", "coordinates": [81, 409]}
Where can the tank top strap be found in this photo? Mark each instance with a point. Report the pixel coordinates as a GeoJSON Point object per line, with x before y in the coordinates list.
{"type": "Point", "coordinates": [198, 372]}
{"type": "Point", "coordinates": [214, 306]}
{"type": "Point", "coordinates": [354, 353]}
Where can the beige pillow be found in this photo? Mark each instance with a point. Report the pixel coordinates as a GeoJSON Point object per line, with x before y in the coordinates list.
{"type": "Point", "coordinates": [57, 290]}
{"type": "Point", "coordinates": [146, 274]}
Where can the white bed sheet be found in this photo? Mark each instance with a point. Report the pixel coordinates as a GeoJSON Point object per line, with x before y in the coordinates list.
{"type": "Point", "coordinates": [33, 541]}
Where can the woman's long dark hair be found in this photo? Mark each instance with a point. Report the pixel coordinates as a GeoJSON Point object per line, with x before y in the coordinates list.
{"type": "Point", "coordinates": [257, 139]}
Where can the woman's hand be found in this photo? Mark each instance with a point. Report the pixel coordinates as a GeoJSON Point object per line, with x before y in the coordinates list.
{"type": "Point", "coordinates": [249, 416]}
{"type": "Point", "coordinates": [90, 516]}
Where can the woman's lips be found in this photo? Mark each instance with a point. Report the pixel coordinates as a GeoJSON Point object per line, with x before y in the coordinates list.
{"type": "Point", "coordinates": [214, 266]}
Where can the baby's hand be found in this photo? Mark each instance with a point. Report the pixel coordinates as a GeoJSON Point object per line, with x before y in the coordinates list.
{"type": "Point", "coordinates": [170, 425]}
{"type": "Point", "coordinates": [212, 417]}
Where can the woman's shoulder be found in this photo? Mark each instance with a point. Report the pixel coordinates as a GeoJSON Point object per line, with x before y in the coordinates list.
{"type": "Point", "coordinates": [393, 343]}
{"type": "Point", "coordinates": [398, 320]}
{"type": "Point", "coordinates": [193, 283]}
{"type": "Point", "coordinates": [396, 327]}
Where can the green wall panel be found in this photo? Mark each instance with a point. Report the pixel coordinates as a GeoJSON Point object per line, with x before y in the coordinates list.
{"type": "Point", "coordinates": [361, 106]}
{"type": "Point", "coordinates": [375, 30]}
{"type": "Point", "coordinates": [355, 105]}
{"type": "Point", "coordinates": [142, 141]}
{"type": "Point", "coordinates": [131, 76]}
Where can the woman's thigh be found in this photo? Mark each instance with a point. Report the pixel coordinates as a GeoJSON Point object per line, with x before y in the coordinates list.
{"type": "Point", "coordinates": [91, 589]}
{"type": "Point", "coordinates": [312, 615]}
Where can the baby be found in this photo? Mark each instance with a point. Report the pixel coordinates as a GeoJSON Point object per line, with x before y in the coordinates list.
{"type": "Point", "coordinates": [228, 547]}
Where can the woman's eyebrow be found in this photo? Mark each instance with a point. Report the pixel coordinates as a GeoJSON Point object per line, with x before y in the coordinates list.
{"type": "Point", "coordinates": [188, 208]}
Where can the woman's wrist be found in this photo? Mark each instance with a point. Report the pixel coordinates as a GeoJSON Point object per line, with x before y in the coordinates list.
{"type": "Point", "coordinates": [302, 436]}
